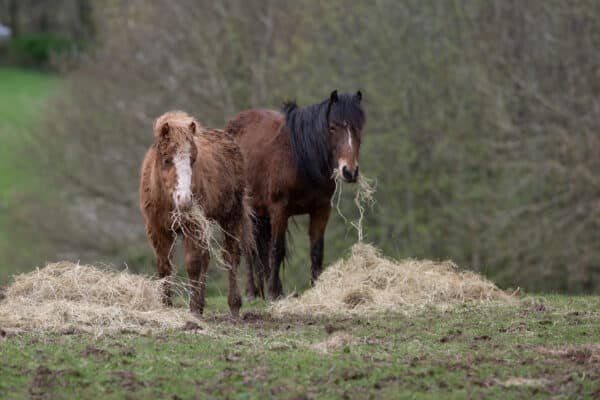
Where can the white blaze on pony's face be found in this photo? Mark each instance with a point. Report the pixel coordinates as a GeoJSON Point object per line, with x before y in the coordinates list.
{"type": "Point", "coordinates": [346, 120]}
{"type": "Point", "coordinates": [346, 145]}
{"type": "Point", "coordinates": [176, 155]}
{"type": "Point", "coordinates": [182, 195]}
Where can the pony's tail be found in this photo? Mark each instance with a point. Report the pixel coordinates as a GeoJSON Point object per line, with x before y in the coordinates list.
{"type": "Point", "coordinates": [254, 241]}
{"type": "Point", "coordinates": [246, 234]}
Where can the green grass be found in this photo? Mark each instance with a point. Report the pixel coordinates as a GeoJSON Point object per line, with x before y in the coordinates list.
{"type": "Point", "coordinates": [22, 97]}
{"type": "Point", "coordinates": [468, 353]}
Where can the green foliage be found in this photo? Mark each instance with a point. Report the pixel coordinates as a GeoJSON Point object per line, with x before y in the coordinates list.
{"type": "Point", "coordinates": [481, 125]}
{"type": "Point", "coordinates": [546, 347]}
{"type": "Point", "coordinates": [37, 49]}
{"type": "Point", "coordinates": [479, 135]}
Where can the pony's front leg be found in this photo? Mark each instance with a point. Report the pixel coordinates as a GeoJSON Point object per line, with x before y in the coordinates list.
{"type": "Point", "coordinates": [276, 254]}
{"type": "Point", "coordinates": [231, 256]}
{"type": "Point", "coordinates": [316, 232]}
{"type": "Point", "coordinates": [162, 242]}
{"type": "Point", "coordinates": [196, 260]}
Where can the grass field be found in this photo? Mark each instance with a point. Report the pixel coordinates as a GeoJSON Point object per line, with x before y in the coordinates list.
{"type": "Point", "coordinates": [546, 347]}
{"type": "Point", "coordinates": [22, 96]}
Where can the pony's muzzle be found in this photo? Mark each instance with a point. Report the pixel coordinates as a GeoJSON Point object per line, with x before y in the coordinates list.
{"type": "Point", "coordinates": [183, 200]}
{"type": "Point", "coordinates": [350, 175]}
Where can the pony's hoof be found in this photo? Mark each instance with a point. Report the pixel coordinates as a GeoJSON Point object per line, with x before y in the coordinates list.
{"type": "Point", "coordinates": [196, 310]}
{"type": "Point", "coordinates": [276, 296]}
{"type": "Point", "coordinates": [234, 315]}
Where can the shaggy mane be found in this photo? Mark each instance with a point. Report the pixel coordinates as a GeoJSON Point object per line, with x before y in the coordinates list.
{"type": "Point", "coordinates": [308, 132]}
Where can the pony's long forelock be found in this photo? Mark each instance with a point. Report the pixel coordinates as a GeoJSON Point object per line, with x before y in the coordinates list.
{"type": "Point", "coordinates": [308, 133]}
{"type": "Point", "coordinates": [348, 108]}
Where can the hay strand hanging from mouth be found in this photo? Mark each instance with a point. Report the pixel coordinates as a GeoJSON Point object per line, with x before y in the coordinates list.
{"type": "Point", "coordinates": [364, 196]}
{"type": "Point", "coordinates": [205, 232]}
{"type": "Point", "coordinates": [367, 282]}
{"type": "Point", "coordinates": [65, 296]}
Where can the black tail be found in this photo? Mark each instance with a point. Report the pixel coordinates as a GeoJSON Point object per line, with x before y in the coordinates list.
{"type": "Point", "coordinates": [262, 232]}
{"type": "Point", "coordinates": [258, 264]}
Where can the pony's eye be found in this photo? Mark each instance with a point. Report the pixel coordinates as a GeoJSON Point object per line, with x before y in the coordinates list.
{"type": "Point", "coordinates": [332, 129]}
{"type": "Point", "coordinates": [167, 161]}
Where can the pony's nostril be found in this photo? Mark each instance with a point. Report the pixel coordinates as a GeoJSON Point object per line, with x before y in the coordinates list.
{"type": "Point", "coordinates": [347, 175]}
{"type": "Point", "coordinates": [182, 200]}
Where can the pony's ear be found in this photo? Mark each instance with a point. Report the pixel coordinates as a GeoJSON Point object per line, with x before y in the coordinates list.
{"type": "Point", "coordinates": [359, 96]}
{"type": "Point", "coordinates": [193, 126]}
{"type": "Point", "coordinates": [333, 97]}
{"type": "Point", "coordinates": [163, 131]}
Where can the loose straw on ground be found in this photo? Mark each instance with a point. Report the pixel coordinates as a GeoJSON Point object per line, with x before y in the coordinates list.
{"type": "Point", "coordinates": [68, 297]}
{"type": "Point", "coordinates": [367, 282]}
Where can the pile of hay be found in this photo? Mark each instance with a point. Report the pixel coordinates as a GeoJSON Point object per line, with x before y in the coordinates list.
{"type": "Point", "coordinates": [367, 282]}
{"type": "Point", "coordinates": [67, 297]}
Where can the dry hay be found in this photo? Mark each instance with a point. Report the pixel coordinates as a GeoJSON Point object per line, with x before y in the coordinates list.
{"type": "Point", "coordinates": [68, 297]}
{"type": "Point", "coordinates": [367, 282]}
{"type": "Point", "coordinates": [207, 233]}
{"type": "Point", "coordinates": [334, 342]}
{"type": "Point", "coordinates": [365, 192]}
{"type": "Point", "coordinates": [529, 382]}
{"type": "Point", "coordinates": [194, 224]}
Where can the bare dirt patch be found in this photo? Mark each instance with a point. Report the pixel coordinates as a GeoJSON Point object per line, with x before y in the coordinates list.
{"type": "Point", "coordinates": [452, 335]}
{"type": "Point", "coordinates": [589, 354]}
{"type": "Point", "coordinates": [44, 379]}
{"type": "Point", "coordinates": [127, 380]}
{"type": "Point", "coordinates": [93, 351]}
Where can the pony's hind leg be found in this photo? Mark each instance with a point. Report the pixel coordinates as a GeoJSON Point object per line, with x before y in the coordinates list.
{"type": "Point", "coordinates": [252, 260]}
{"type": "Point", "coordinates": [231, 256]}
{"type": "Point", "coordinates": [258, 261]}
{"type": "Point", "coordinates": [162, 242]}
{"type": "Point", "coordinates": [196, 260]}
{"type": "Point", "coordinates": [276, 254]}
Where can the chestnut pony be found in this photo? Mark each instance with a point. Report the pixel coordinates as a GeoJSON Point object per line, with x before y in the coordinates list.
{"type": "Point", "coordinates": [189, 163]}
{"type": "Point", "coordinates": [290, 160]}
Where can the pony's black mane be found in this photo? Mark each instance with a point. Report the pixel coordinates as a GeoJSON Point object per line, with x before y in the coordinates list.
{"type": "Point", "coordinates": [308, 132]}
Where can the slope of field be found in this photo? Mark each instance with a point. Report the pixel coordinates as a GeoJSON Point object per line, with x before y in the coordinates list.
{"type": "Point", "coordinates": [544, 347]}
{"type": "Point", "coordinates": [22, 95]}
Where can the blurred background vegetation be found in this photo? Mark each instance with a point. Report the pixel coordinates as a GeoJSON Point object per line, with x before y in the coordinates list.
{"type": "Point", "coordinates": [483, 123]}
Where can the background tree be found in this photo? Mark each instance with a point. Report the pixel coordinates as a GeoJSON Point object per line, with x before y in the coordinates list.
{"type": "Point", "coordinates": [482, 124]}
